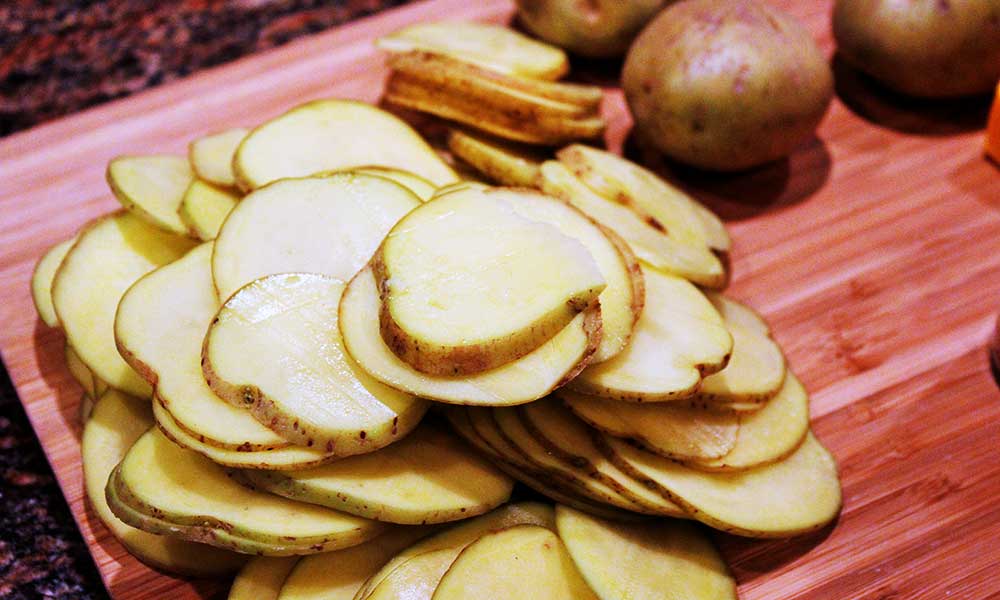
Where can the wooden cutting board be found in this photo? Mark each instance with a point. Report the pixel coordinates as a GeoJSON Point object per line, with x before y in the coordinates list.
{"type": "Point", "coordinates": [875, 254]}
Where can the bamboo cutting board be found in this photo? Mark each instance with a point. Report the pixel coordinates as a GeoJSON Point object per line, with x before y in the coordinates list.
{"type": "Point", "coordinates": [874, 253]}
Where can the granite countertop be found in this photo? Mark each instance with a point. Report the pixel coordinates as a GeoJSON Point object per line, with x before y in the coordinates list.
{"type": "Point", "coordinates": [57, 58]}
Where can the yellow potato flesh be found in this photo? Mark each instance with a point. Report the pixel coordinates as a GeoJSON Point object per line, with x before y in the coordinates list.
{"type": "Point", "coordinates": [499, 161]}
{"type": "Point", "coordinates": [262, 577]}
{"type": "Point", "coordinates": [92, 386]}
{"type": "Point", "coordinates": [420, 187]}
{"type": "Point", "coordinates": [205, 207]}
{"type": "Point", "coordinates": [41, 281]}
{"type": "Point", "coordinates": [152, 187]}
{"type": "Point", "coordinates": [211, 157]}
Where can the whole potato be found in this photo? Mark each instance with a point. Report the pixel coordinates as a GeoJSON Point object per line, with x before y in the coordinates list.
{"type": "Point", "coordinates": [926, 48]}
{"type": "Point", "coordinates": [594, 28]}
{"type": "Point", "coordinates": [726, 84]}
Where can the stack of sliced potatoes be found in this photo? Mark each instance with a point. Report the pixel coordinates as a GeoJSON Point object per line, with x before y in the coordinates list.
{"type": "Point", "coordinates": [293, 346]}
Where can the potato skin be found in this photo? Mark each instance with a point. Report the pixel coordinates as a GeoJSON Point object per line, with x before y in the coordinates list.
{"type": "Point", "coordinates": [924, 48]}
{"type": "Point", "coordinates": [593, 28]}
{"type": "Point", "coordinates": [726, 84]}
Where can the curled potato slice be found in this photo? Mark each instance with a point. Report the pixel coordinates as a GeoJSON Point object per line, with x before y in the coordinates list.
{"type": "Point", "coordinates": [205, 207]}
{"type": "Point", "coordinates": [211, 156]}
{"type": "Point", "coordinates": [262, 577]}
{"type": "Point", "coordinates": [41, 281]}
{"type": "Point", "coordinates": [152, 187]}
{"type": "Point", "coordinates": [498, 160]}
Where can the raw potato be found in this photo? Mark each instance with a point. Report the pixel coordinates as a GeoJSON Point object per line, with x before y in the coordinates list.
{"type": "Point", "coordinates": [524, 380]}
{"type": "Point", "coordinates": [496, 565]}
{"type": "Point", "coordinates": [211, 157]}
{"type": "Point", "coordinates": [498, 160]}
{"type": "Point", "coordinates": [116, 423]}
{"type": "Point", "coordinates": [93, 387]}
{"type": "Point", "coordinates": [159, 329]}
{"type": "Point", "coordinates": [651, 245]}
{"type": "Point", "coordinates": [796, 495]}
{"type": "Point", "coordinates": [205, 207]}
{"type": "Point", "coordinates": [311, 138]}
{"type": "Point", "coordinates": [679, 339]}
{"type": "Point", "coordinates": [427, 477]}
{"type": "Point", "coordinates": [274, 348]}
{"type": "Point", "coordinates": [662, 560]}
{"type": "Point", "coordinates": [666, 428]}
{"type": "Point", "coordinates": [191, 497]}
{"type": "Point", "coordinates": [109, 256]}
{"type": "Point", "coordinates": [598, 29]}
{"type": "Point", "coordinates": [469, 283]}
{"type": "Point", "coordinates": [420, 187]}
{"type": "Point", "coordinates": [328, 225]}
{"type": "Point", "coordinates": [152, 187]}
{"type": "Point", "coordinates": [416, 579]}
{"type": "Point", "coordinates": [493, 47]}
{"type": "Point", "coordinates": [262, 577]}
{"type": "Point", "coordinates": [41, 281]}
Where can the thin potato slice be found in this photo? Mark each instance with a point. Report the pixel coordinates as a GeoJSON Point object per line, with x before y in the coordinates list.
{"type": "Point", "coordinates": [523, 380]}
{"type": "Point", "coordinates": [41, 281]}
{"type": "Point", "coordinates": [211, 157]}
{"type": "Point", "coordinates": [415, 579]}
{"type": "Point", "coordinates": [330, 225]}
{"type": "Point", "coordinates": [109, 256]}
{"type": "Point", "coordinates": [311, 138]}
{"type": "Point", "coordinates": [275, 349]}
{"type": "Point", "coordinates": [679, 339]}
{"type": "Point", "coordinates": [490, 46]}
{"type": "Point", "coordinates": [205, 207]}
{"type": "Point", "coordinates": [496, 565]}
{"type": "Point", "coordinates": [262, 577]}
{"type": "Point", "coordinates": [666, 428]}
{"type": "Point", "coordinates": [662, 560]}
{"type": "Point", "coordinates": [152, 187]}
{"type": "Point", "coordinates": [470, 282]}
{"type": "Point", "coordinates": [159, 329]}
{"type": "Point", "coordinates": [191, 493]}
{"type": "Point", "coordinates": [116, 423]}
{"type": "Point", "coordinates": [92, 386]}
{"type": "Point", "coordinates": [427, 477]}
{"type": "Point", "coordinates": [420, 187]}
{"type": "Point", "coordinates": [499, 161]}
{"type": "Point", "coordinates": [651, 244]}
{"type": "Point", "coordinates": [796, 495]}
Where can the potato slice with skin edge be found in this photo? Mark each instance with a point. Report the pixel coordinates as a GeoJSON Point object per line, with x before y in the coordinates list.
{"type": "Point", "coordinates": [487, 45]}
{"type": "Point", "coordinates": [41, 281]}
{"type": "Point", "coordinates": [262, 577]}
{"type": "Point", "coordinates": [338, 575]}
{"type": "Point", "coordinates": [524, 380]}
{"type": "Point", "coordinates": [116, 422]}
{"type": "Point", "coordinates": [650, 244]}
{"type": "Point", "coordinates": [159, 328]}
{"type": "Point", "coordinates": [679, 339]}
{"type": "Point", "coordinates": [211, 156]}
{"type": "Point", "coordinates": [474, 280]}
{"type": "Point", "coordinates": [420, 187]}
{"type": "Point", "coordinates": [662, 560]}
{"type": "Point", "coordinates": [274, 348]}
{"type": "Point", "coordinates": [109, 256]}
{"type": "Point", "coordinates": [92, 386]}
{"type": "Point", "coordinates": [499, 161]}
{"type": "Point", "coordinates": [152, 187]}
{"type": "Point", "coordinates": [309, 139]}
{"type": "Point", "coordinates": [204, 209]}
{"type": "Point", "coordinates": [330, 225]}
{"type": "Point", "coordinates": [793, 496]}
{"type": "Point", "coordinates": [180, 487]}
{"type": "Point", "coordinates": [427, 477]}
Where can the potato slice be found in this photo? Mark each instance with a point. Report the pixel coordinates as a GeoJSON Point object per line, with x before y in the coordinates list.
{"type": "Point", "coordinates": [41, 281]}
{"type": "Point", "coordinates": [523, 380]}
{"type": "Point", "coordinates": [92, 386]}
{"type": "Point", "coordinates": [339, 575]}
{"type": "Point", "coordinates": [211, 157]}
{"type": "Point", "coordinates": [453, 540]}
{"type": "Point", "coordinates": [420, 187]}
{"type": "Point", "coordinates": [679, 339]}
{"type": "Point", "coordinates": [570, 440]}
{"type": "Point", "coordinates": [152, 187]}
{"type": "Point", "coordinates": [109, 256]}
{"type": "Point", "coordinates": [205, 207]}
{"type": "Point", "coordinates": [487, 45]}
{"type": "Point", "coordinates": [310, 138]}
{"type": "Point", "coordinates": [328, 225]}
{"type": "Point", "coordinates": [159, 329]}
{"type": "Point", "coordinates": [499, 161]}
{"type": "Point", "coordinates": [497, 564]}
{"type": "Point", "coordinates": [662, 560]}
{"type": "Point", "coordinates": [651, 244]}
{"type": "Point", "coordinates": [666, 428]}
{"type": "Point", "coordinates": [796, 495]}
{"type": "Point", "coordinates": [262, 577]}
{"type": "Point", "coordinates": [196, 498]}
{"type": "Point", "coordinates": [116, 423]}
{"type": "Point", "coordinates": [469, 282]}
{"type": "Point", "coordinates": [427, 477]}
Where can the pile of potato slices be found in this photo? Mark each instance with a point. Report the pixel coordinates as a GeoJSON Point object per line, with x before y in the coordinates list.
{"type": "Point", "coordinates": [293, 346]}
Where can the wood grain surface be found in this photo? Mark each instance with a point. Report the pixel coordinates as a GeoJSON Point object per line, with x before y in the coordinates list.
{"type": "Point", "coordinates": [874, 251]}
